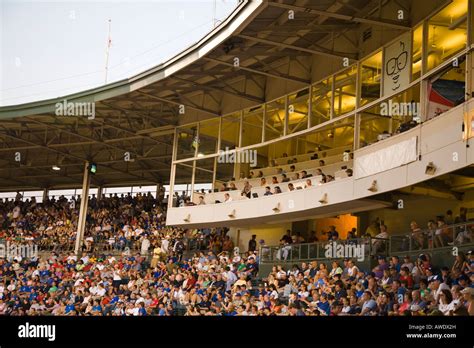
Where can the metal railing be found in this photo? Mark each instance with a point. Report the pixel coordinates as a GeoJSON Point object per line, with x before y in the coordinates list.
{"type": "Point", "coordinates": [338, 249]}
{"type": "Point", "coordinates": [423, 240]}
{"type": "Point", "coordinates": [429, 239]}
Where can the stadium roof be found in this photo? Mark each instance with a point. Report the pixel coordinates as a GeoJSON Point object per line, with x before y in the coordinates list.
{"type": "Point", "coordinates": [137, 115]}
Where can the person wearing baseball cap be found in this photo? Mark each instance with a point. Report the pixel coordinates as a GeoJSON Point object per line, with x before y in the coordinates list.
{"type": "Point", "coordinates": [437, 286]}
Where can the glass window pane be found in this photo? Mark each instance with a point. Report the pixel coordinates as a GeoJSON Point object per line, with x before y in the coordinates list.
{"type": "Point", "coordinates": [252, 126]}
{"type": "Point", "coordinates": [447, 33]}
{"type": "Point", "coordinates": [275, 119]}
{"type": "Point", "coordinates": [371, 72]}
{"type": "Point", "coordinates": [224, 174]}
{"type": "Point", "coordinates": [208, 134]}
{"type": "Point", "coordinates": [203, 176]}
{"type": "Point", "coordinates": [187, 141]}
{"type": "Point", "coordinates": [298, 111]}
{"type": "Point", "coordinates": [230, 131]}
{"type": "Point", "coordinates": [345, 91]}
{"type": "Point", "coordinates": [390, 117]}
{"type": "Point", "coordinates": [447, 89]}
{"type": "Point", "coordinates": [321, 102]}
{"type": "Point", "coordinates": [184, 174]}
{"type": "Point", "coordinates": [417, 52]}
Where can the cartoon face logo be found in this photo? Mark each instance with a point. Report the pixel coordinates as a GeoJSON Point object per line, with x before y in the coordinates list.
{"type": "Point", "coordinates": [396, 65]}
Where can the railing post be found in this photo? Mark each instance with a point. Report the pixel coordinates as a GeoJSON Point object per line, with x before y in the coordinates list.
{"type": "Point", "coordinates": [370, 245]}
{"type": "Point", "coordinates": [410, 243]}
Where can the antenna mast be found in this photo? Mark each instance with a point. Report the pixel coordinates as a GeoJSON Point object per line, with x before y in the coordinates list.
{"type": "Point", "coordinates": [109, 43]}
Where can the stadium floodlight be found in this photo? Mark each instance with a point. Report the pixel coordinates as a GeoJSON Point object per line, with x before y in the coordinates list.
{"type": "Point", "coordinates": [92, 168]}
{"type": "Point", "coordinates": [276, 209]}
{"type": "Point", "coordinates": [56, 168]}
{"type": "Point", "coordinates": [430, 169]}
{"type": "Point", "coordinates": [324, 199]}
{"type": "Point", "coordinates": [373, 187]}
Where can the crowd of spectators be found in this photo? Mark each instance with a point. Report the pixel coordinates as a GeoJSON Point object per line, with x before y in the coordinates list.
{"type": "Point", "coordinates": [141, 269]}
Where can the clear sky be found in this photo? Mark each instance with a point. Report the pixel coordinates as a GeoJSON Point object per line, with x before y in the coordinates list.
{"type": "Point", "coordinates": [53, 48]}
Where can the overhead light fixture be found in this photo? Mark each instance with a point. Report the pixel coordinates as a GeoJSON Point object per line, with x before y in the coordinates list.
{"type": "Point", "coordinates": [373, 187]}
{"type": "Point", "coordinates": [187, 218]}
{"type": "Point", "coordinates": [324, 199]}
{"type": "Point", "coordinates": [277, 208]}
{"type": "Point", "coordinates": [92, 168]}
{"type": "Point", "coordinates": [430, 169]}
{"type": "Point", "coordinates": [232, 214]}
{"type": "Point", "coordinates": [56, 168]}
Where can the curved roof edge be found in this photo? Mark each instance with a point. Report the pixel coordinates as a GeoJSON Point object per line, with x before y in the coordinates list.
{"type": "Point", "coordinates": [241, 16]}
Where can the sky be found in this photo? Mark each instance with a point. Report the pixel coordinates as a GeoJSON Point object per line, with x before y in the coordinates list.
{"type": "Point", "coordinates": [49, 49]}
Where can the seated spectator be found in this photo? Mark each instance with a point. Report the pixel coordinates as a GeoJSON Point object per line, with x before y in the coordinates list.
{"type": "Point", "coordinates": [314, 156]}
{"type": "Point", "coordinates": [284, 178]}
{"type": "Point", "coordinates": [349, 172]}
{"type": "Point", "coordinates": [251, 175]}
{"type": "Point", "coordinates": [276, 190]}
{"type": "Point", "coordinates": [304, 174]}
{"type": "Point", "coordinates": [260, 174]}
{"type": "Point", "coordinates": [417, 236]}
{"type": "Point", "coordinates": [442, 234]}
{"type": "Point", "coordinates": [247, 190]}
{"type": "Point", "coordinates": [274, 180]}
{"type": "Point", "coordinates": [323, 179]}
{"type": "Point", "coordinates": [268, 191]}
{"type": "Point", "coordinates": [308, 183]}
{"type": "Point", "coordinates": [201, 200]}
{"type": "Point", "coordinates": [263, 182]}
{"type": "Point", "coordinates": [227, 198]}
{"type": "Point", "coordinates": [291, 187]}
{"type": "Point", "coordinates": [322, 163]}
{"type": "Point", "coordinates": [232, 187]}
{"type": "Point", "coordinates": [292, 169]}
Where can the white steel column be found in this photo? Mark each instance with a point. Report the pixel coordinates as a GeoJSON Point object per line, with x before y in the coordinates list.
{"type": "Point", "coordinates": [83, 209]}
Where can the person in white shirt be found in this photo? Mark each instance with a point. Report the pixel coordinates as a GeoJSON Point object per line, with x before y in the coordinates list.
{"type": "Point", "coordinates": [230, 278]}
{"type": "Point", "coordinates": [352, 269]}
{"type": "Point", "coordinates": [437, 286]}
{"type": "Point", "coordinates": [145, 246]}
{"type": "Point", "coordinates": [165, 242]}
{"type": "Point", "coordinates": [227, 198]}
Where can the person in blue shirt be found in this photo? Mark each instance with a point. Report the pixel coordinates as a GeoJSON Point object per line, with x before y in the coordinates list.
{"type": "Point", "coordinates": [97, 308]}
{"type": "Point", "coordinates": [142, 311]}
{"type": "Point", "coordinates": [70, 307]}
{"type": "Point", "coordinates": [323, 304]}
{"type": "Point", "coordinates": [25, 288]}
